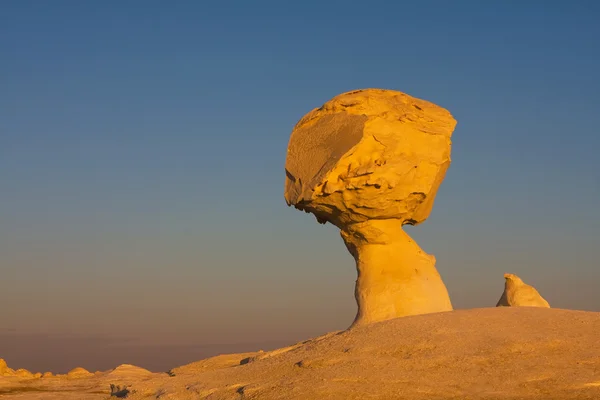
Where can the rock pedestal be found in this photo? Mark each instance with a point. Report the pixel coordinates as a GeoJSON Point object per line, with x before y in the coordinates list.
{"type": "Point", "coordinates": [395, 276]}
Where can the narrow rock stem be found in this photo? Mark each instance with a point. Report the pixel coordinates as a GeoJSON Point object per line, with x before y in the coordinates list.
{"type": "Point", "coordinates": [395, 276]}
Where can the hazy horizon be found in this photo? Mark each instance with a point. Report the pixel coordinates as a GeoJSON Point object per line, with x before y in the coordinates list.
{"type": "Point", "coordinates": [142, 151]}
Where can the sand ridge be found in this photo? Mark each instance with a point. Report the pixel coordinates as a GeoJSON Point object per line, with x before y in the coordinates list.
{"type": "Point", "coordinates": [488, 353]}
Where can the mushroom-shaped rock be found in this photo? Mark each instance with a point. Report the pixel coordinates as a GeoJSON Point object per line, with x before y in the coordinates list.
{"type": "Point", "coordinates": [519, 294]}
{"type": "Point", "coordinates": [79, 373]}
{"type": "Point", "coordinates": [370, 161]}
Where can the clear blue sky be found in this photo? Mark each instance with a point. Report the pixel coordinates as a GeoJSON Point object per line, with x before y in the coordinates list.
{"type": "Point", "coordinates": [142, 146]}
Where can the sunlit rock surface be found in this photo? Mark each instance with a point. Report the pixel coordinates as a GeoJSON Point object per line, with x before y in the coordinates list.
{"type": "Point", "coordinates": [370, 161]}
{"type": "Point", "coordinates": [519, 294]}
{"type": "Point", "coordinates": [79, 373]}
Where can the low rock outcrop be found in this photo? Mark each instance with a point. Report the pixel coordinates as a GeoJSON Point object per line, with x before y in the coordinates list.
{"type": "Point", "coordinates": [129, 370]}
{"type": "Point", "coordinates": [79, 373]}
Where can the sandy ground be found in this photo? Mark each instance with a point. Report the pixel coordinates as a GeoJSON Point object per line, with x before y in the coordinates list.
{"type": "Point", "coordinates": [491, 353]}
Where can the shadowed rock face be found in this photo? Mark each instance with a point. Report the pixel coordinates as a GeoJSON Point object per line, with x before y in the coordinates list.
{"type": "Point", "coordinates": [370, 161]}
{"type": "Point", "coordinates": [318, 149]}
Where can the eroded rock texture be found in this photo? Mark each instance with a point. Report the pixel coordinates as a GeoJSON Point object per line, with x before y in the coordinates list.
{"type": "Point", "coordinates": [519, 294]}
{"type": "Point", "coordinates": [370, 161]}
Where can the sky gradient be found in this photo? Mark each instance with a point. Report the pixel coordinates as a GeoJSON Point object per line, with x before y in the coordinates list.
{"type": "Point", "coordinates": [142, 147]}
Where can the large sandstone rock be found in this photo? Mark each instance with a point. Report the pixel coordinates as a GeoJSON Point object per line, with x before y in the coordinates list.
{"type": "Point", "coordinates": [519, 294]}
{"type": "Point", "coordinates": [370, 161]}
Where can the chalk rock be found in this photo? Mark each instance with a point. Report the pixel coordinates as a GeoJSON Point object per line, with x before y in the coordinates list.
{"type": "Point", "coordinates": [517, 293]}
{"type": "Point", "coordinates": [79, 373]}
{"type": "Point", "coordinates": [23, 373]}
{"type": "Point", "coordinates": [128, 370]}
{"type": "Point", "coordinates": [5, 370]}
{"type": "Point", "coordinates": [368, 162]}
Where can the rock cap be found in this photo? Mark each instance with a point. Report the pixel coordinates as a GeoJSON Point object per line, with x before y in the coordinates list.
{"type": "Point", "coordinates": [369, 154]}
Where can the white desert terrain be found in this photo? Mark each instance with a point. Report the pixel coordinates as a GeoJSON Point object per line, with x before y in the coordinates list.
{"type": "Point", "coordinates": [487, 353]}
{"type": "Point", "coordinates": [368, 162]}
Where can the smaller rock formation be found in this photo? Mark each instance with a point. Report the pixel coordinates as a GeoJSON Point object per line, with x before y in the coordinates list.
{"type": "Point", "coordinates": [79, 373]}
{"type": "Point", "coordinates": [47, 375]}
{"type": "Point", "coordinates": [519, 294]}
{"type": "Point", "coordinates": [3, 367]}
{"type": "Point", "coordinates": [6, 371]}
{"type": "Point", "coordinates": [23, 373]}
{"type": "Point", "coordinates": [128, 370]}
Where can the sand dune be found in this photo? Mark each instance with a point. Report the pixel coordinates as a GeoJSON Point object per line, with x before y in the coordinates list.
{"type": "Point", "coordinates": [490, 353]}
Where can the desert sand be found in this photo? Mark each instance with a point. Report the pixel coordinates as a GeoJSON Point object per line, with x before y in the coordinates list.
{"type": "Point", "coordinates": [487, 353]}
